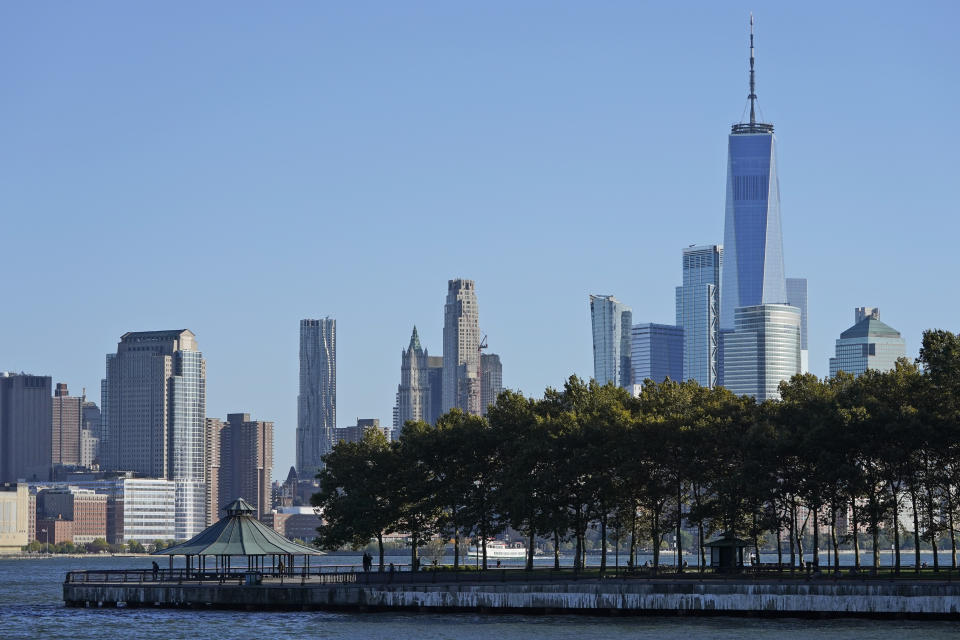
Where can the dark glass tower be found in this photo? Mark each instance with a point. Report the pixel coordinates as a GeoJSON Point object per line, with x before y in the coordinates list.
{"type": "Point", "coordinates": [753, 271]}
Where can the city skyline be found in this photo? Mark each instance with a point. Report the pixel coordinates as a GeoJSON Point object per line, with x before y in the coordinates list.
{"type": "Point", "coordinates": [834, 154]}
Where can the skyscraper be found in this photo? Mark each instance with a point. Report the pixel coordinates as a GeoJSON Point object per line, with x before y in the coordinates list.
{"type": "Point", "coordinates": [317, 402]}
{"type": "Point", "coordinates": [612, 322]}
{"type": "Point", "coordinates": [246, 461]}
{"type": "Point", "coordinates": [698, 314]}
{"type": "Point", "coordinates": [413, 393]}
{"type": "Point", "coordinates": [67, 424]}
{"type": "Point", "coordinates": [753, 271]}
{"type": "Point", "coordinates": [657, 352]}
{"type": "Point", "coordinates": [491, 380]}
{"type": "Point", "coordinates": [797, 297]}
{"type": "Point", "coordinates": [868, 344]}
{"type": "Point", "coordinates": [762, 350]}
{"type": "Point", "coordinates": [25, 438]}
{"type": "Point", "coordinates": [461, 341]}
{"type": "Point", "coordinates": [155, 391]}
{"type": "Point", "coordinates": [213, 502]}
{"type": "Point", "coordinates": [435, 387]}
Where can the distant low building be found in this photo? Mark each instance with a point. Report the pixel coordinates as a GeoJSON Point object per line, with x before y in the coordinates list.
{"type": "Point", "coordinates": [85, 508]}
{"type": "Point", "coordinates": [14, 517]}
{"type": "Point", "coordinates": [354, 433]}
{"type": "Point", "coordinates": [296, 523]}
{"type": "Point", "coordinates": [868, 344]}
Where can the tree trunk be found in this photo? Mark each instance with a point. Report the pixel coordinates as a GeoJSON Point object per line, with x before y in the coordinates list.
{"type": "Point", "coordinates": [556, 550]}
{"type": "Point", "coordinates": [632, 562]}
{"type": "Point", "coordinates": [530, 545]}
{"type": "Point", "coordinates": [953, 536]}
{"type": "Point", "coordinates": [833, 539]}
{"type": "Point", "coordinates": [577, 556]}
{"type": "Point", "coordinates": [679, 543]}
{"type": "Point", "coordinates": [484, 541]}
{"type": "Point", "coordinates": [792, 532]}
{"type": "Point", "coordinates": [702, 558]}
{"type": "Point", "coordinates": [896, 530]}
{"type": "Point", "coordinates": [603, 544]}
{"type": "Point", "coordinates": [916, 531]}
{"type": "Point", "coordinates": [456, 548]}
{"type": "Point", "coordinates": [816, 538]}
{"type": "Point", "coordinates": [379, 547]}
{"type": "Point", "coordinates": [856, 534]}
{"type": "Point", "coordinates": [655, 539]}
{"type": "Point", "coordinates": [933, 529]}
{"type": "Point", "coordinates": [779, 548]}
{"type": "Point", "coordinates": [875, 534]}
{"type": "Point", "coordinates": [414, 560]}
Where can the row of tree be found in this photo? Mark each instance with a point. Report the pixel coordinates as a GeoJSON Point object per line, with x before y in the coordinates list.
{"type": "Point", "coordinates": [840, 455]}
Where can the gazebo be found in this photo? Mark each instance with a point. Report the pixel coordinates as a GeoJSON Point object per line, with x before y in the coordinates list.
{"type": "Point", "coordinates": [726, 552]}
{"type": "Point", "coordinates": [239, 534]}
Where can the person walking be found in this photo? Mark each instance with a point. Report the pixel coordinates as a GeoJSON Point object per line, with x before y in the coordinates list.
{"type": "Point", "coordinates": [156, 569]}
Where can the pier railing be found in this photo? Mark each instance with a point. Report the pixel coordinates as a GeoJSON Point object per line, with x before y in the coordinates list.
{"type": "Point", "coordinates": [401, 574]}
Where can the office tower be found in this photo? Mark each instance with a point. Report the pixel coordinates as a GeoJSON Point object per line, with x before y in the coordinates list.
{"type": "Point", "coordinates": [657, 352]}
{"type": "Point", "coordinates": [354, 433]}
{"type": "Point", "coordinates": [211, 470]}
{"type": "Point", "coordinates": [762, 350]}
{"type": "Point", "coordinates": [90, 435]}
{"type": "Point", "coordinates": [753, 271]}
{"type": "Point", "coordinates": [435, 387]}
{"type": "Point", "coordinates": [413, 393]}
{"type": "Point", "coordinates": [698, 314]}
{"type": "Point", "coordinates": [868, 344]}
{"type": "Point", "coordinates": [155, 407]}
{"type": "Point", "coordinates": [612, 322]}
{"type": "Point", "coordinates": [246, 461]}
{"type": "Point", "coordinates": [797, 297]}
{"type": "Point", "coordinates": [317, 402]}
{"type": "Point", "coordinates": [491, 380]}
{"type": "Point", "coordinates": [66, 426]}
{"type": "Point", "coordinates": [26, 409]}
{"type": "Point", "coordinates": [461, 342]}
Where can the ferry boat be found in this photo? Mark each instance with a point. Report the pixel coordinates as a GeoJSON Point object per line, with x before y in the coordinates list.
{"type": "Point", "coordinates": [499, 550]}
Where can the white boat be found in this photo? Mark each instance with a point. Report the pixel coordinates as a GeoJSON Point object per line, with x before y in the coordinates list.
{"type": "Point", "coordinates": [499, 550]}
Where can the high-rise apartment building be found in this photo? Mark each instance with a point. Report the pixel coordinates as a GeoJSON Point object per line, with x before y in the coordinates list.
{"type": "Point", "coordinates": [491, 380]}
{"type": "Point", "coordinates": [611, 321]}
{"type": "Point", "coordinates": [246, 461]}
{"type": "Point", "coordinates": [67, 424]}
{"type": "Point", "coordinates": [90, 435]}
{"type": "Point", "coordinates": [868, 344]}
{"type": "Point", "coordinates": [657, 352]}
{"type": "Point", "coordinates": [461, 342]}
{"type": "Point", "coordinates": [753, 272]}
{"type": "Point", "coordinates": [797, 297]}
{"type": "Point", "coordinates": [762, 350]}
{"type": "Point", "coordinates": [413, 393]}
{"type": "Point", "coordinates": [211, 470]}
{"type": "Point", "coordinates": [26, 407]}
{"type": "Point", "coordinates": [698, 314]}
{"type": "Point", "coordinates": [317, 402]}
{"type": "Point", "coordinates": [155, 406]}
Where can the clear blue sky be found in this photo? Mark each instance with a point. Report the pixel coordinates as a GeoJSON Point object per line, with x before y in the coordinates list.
{"type": "Point", "coordinates": [234, 167]}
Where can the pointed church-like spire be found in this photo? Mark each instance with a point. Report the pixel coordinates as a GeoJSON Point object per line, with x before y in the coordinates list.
{"type": "Point", "coordinates": [415, 340]}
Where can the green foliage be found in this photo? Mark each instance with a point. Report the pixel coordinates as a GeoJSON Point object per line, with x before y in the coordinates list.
{"type": "Point", "coordinates": [589, 466]}
{"type": "Point", "coordinates": [135, 547]}
{"type": "Point", "coordinates": [99, 545]}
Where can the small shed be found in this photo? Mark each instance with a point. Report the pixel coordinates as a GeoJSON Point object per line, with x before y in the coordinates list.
{"type": "Point", "coordinates": [239, 534]}
{"type": "Point", "coordinates": [726, 552]}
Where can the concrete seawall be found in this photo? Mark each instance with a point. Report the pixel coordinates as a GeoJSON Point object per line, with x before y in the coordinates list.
{"type": "Point", "coordinates": [901, 599]}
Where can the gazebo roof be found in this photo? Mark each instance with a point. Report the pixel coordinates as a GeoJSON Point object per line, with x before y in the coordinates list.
{"type": "Point", "coordinates": [238, 534]}
{"type": "Point", "coordinates": [728, 539]}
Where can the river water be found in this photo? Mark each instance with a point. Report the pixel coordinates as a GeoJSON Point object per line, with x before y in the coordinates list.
{"type": "Point", "coordinates": [31, 607]}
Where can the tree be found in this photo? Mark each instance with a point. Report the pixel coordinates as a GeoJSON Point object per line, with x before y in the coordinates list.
{"type": "Point", "coordinates": [135, 546]}
{"type": "Point", "coordinates": [99, 545]}
{"type": "Point", "coordinates": [358, 494]}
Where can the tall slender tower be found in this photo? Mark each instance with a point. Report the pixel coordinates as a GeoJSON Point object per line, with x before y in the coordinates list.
{"type": "Point", "coordinates": [698, 313]}
{"type": "Point", "coordinates": [317, 402]}
{"type": "Point", "coordinates": [461, 339]}
{"type": "Point", "coordinates": [753, 271]}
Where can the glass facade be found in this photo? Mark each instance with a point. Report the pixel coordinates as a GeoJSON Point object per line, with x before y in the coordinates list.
{"type": "Point", "coordinates": [612, 322]}
{"type": "Point", "coordinates": [656, 352]}
{"type": "Point", "coordinates": [762, 350]}
{"type": "Point", "coordinates": [698, 313]}
{"type": "Point", "coordinates": [868, 344]}
{"type": "Point", "coordinates": [797, 297]}
{"type": "Point", "coordinates": [753, 271]}
{"type": "Point", "coordinates": [317, 401]}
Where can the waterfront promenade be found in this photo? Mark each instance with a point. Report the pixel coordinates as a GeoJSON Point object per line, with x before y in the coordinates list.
{"type": "Point", "coordinates": [519, 591]}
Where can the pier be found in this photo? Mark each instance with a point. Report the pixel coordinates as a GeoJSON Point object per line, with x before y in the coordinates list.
{"type": "Point", "coordinates": [516, 591]}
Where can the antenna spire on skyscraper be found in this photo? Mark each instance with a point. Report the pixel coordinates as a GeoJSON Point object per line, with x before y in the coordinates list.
{"type": "Point", "coordinates": [753, 95]}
